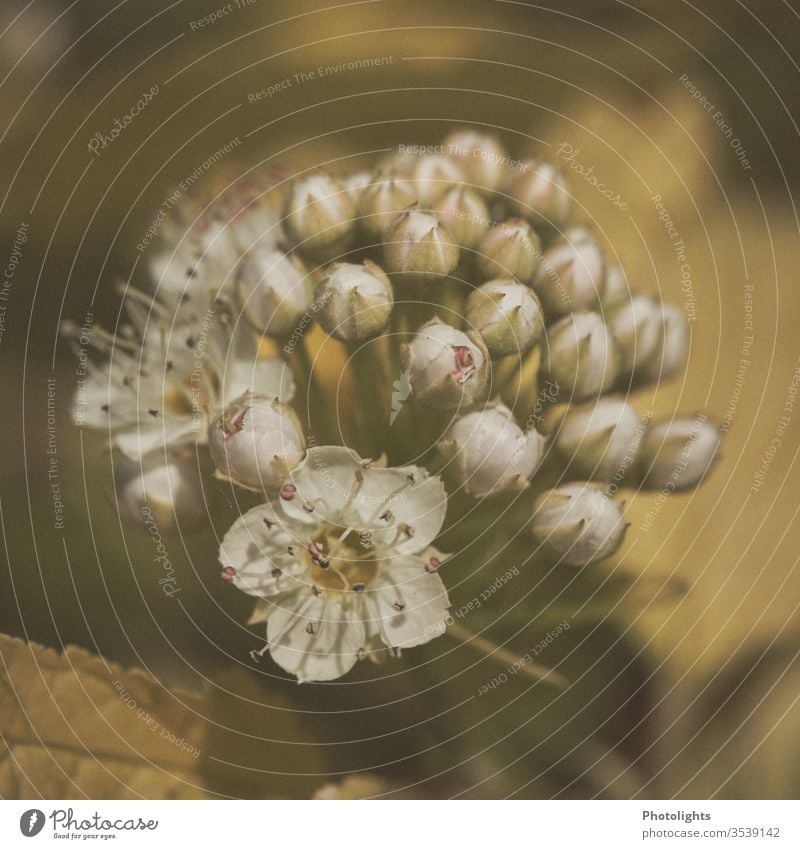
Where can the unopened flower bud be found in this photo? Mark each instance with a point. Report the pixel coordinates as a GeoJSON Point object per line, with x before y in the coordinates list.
{"type": "Point", "coordinates": [383, 200]}
{"type": "Point", "coordinates": [165, 490]}
{"type": "Point", "coordinates": [600, 441]}
{"type": "Point", "coordinates": [417, 247]}
{"type": "Point", "coordinates": [489, 453]}
{"type": "Point", "coordinates": [507, 315]}
{"type": "Point", "coordinates": [482, 158]}
{"type": "Point", "coordinates": [678, 454]}
{"type": "Point", "coordinates": [636, 328]}
{"type": "Point", "coordinates": [464, 214]}
{"type": "Point", "coordinates": [571, 276]}
{"type": "Point", "coordinates": [579, 523]}
{"type": "Point", "coordinates": [319, 215]}
{"type": "Point", "coordinates": [511, 249]}
{"type": "Point", "coordinates": [674, 347]}
{"type": "Point", "coordinates": [356, 300]}
{"type": "Point", "coordinates": [540, 193]}
{"type": "Point", "coordinates": [652, 338]}
{"type": "Point", "coordinates": [616, 291]}
{"type": "Point", "coordinates": [447, 369]}
{"type": "Point", "coordinates": [580, 355]}
{"type": "Point", "coordinates": [255, 442]}
{"type": "Point", "coordinates": [431, 174]}
{"type": "Point", "coordinates": [355, 184]}
{"type": "Point", "coordinates": [274, 290]}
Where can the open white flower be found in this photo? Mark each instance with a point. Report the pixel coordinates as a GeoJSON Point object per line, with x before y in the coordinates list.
{"type": "Point", "coordinates": [342, 562]}
{"type": "Point", "coordinates": [163, 374]}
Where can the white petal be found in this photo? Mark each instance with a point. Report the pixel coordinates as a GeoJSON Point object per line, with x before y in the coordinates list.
{"type": "Point", "coordinates": [327, 480]}
{"type": "Point", "coordinates": [424, 599]}
{"type": "Point", "coordinates": [315, 638]}
{"type": "Point", "coordinates": [270, 377]}
{"type": "Point", "coordinates": [147, 435]}
{"type": "Point", "coordinates": [257, 547]}
{"type": "Point", "coordinates": [396, 498]}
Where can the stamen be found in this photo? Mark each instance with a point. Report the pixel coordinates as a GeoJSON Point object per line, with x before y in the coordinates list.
{"type": "Point", "coordinates": [312, 628]}
{"type": "Point", "coordinates": [257, 654]}
{"type": "Point", "coordinates": [288, 492]}
{"type": "Point", "coordinates": [433, 565]}
{"type": "Point", "coordinates": [228, 574]}
{"type": "Point", "coordinates": [399, 606]}
{"type": "Point", "coordinates": [356, 488]}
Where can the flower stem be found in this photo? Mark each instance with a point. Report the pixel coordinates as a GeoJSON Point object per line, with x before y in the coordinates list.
{"type": "Point", "coordinates": [505, 658]}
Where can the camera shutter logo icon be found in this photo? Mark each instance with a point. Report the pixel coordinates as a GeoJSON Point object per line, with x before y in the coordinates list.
{"type": "Point", "coordinates": [31, 822]}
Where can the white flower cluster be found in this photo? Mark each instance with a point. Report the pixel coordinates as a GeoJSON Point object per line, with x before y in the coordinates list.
{"type": "Point", "coordinates": [468, 271]}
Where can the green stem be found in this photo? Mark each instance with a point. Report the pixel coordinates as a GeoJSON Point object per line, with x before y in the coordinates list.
{"type": "Point", "coordinates": [505, 658]}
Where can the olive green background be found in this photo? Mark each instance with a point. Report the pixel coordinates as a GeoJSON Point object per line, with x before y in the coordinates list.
{"type": "Point", "coordinates": [685, 658]}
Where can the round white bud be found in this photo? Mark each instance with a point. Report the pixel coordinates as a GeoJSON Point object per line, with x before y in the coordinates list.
{"type": "Point", "coordinates": [540, 193]}
{"type": "Point", "coordinates": [255, 442]}
{"type": "Point", "coordinates": [482, 158]}
{"type": "Point", "coordinates": [431, 174]}
{"type": "Point", "coordinates": [165, 490]}
{"type": "Point", "coordinates": [319, 215]}
{"type": "Point", "coordinates": [579, 523]}
{"type": "Point", "coordinates": [678, 454]}
{"type": "Point", "coordinates": [355, 184]}
{"type": "Point", "coordinates": [616, 291]}
{"type": "Point", "coordinates": [355, 300]}
{"type": "Point", "coordinates": [652, 338]}
{"type": "Point", "coordinates": [447, 369]}
{"type": "Point", "coordinates": [488, 452]}
{"type": "Point", "coordinates": [571, 277]}
{"type": "Point", "coordinates": [601, 440]}
{"type": "Point", "coordinates": [274, 290]}
{"type": "Point", "coordinates": [580, 356]}
{"type": "Point", "coordinates": [465, 215]}
{"type": "Point", "coordinates": [507, 315]}
{"type": "Point", "coordinates": [674, 347]}
{"type": "Point", "coordinates": [416, 247]}
{"type": "Point", "coordinates": [511, 249]}
{"type": "Point", "coordinates": [382, 201]}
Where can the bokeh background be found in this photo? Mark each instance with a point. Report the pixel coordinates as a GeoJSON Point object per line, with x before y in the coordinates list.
{"type": "Point", "coordinates": [684, 656]}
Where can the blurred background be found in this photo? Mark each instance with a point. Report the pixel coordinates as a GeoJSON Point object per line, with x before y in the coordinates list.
{"type": "Point", "coordinates": [684, 657]}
